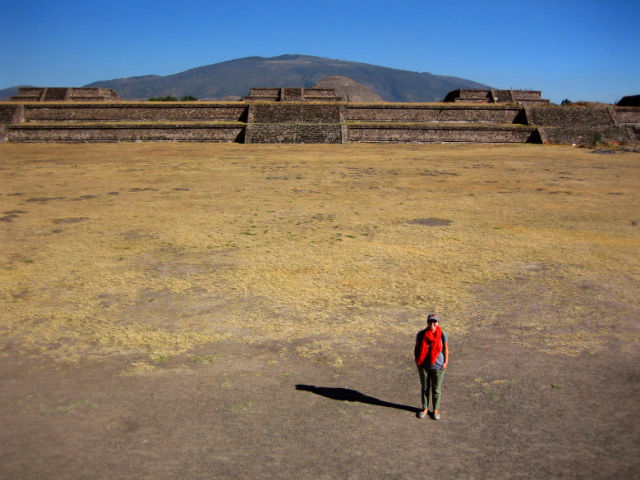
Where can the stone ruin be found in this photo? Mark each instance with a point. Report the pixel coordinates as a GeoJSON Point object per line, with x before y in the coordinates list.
{"type": "Point", "coordinates": [520, 97]}
{"type": "Point", "coordinates": [329, 89]}
{"type": "Point", "coordinates": [312, 115]}
{"type": "Point", "coordinates": [65, 94]}
{"type": "Point", "coordinates": [291, 94]}
{"type": "Point", "coordinates": [349, 90]}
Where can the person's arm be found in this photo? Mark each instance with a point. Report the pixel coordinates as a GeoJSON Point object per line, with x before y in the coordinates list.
{"type": "Point", "coordinates": [445, 349]}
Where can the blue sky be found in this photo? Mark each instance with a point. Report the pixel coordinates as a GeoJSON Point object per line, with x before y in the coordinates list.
{"type": "Point", "coordinates": [582, 50]}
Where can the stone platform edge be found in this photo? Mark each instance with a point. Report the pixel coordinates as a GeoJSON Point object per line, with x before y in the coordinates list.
{"type": "Point", "coordinates": [312, 122]}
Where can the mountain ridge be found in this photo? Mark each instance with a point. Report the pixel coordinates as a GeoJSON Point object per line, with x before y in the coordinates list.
{"type": "Point", "coordinates": [235, 77]}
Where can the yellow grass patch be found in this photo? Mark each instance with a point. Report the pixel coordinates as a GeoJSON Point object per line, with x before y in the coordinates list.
{"type": "Point", "coordinates": [158, 248]}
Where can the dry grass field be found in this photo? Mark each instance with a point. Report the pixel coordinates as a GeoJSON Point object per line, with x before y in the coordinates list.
{"type": "Point", "coordinates": [126, 266]}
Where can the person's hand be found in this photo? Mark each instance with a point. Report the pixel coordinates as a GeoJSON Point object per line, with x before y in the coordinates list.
{"type": "Point", "coordinates": [444, 365]}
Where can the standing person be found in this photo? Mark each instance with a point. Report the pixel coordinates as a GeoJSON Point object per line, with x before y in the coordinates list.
{"type": "Point", "coordinates": [432, 357]}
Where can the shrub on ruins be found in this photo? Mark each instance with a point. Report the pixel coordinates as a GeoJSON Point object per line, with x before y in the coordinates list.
{"type": "Point", "coordinates": [188, 98]}
{"type": "Point", "coordinates": [168, 98]}
{"type": "Point", "coordinates": [594, 138]}
{"type": "Point", "coordinates": [566, 101]}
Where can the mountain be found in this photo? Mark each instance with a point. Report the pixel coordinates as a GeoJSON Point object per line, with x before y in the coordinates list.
{"type": "Point", "coordinates": [349, 90]}
{"type": "Point", "coordinates": [7, 93]}
{"type": "Point", "coordinates": [235, 77]}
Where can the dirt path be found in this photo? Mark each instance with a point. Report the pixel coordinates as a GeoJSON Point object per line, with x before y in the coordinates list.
{"type": "Point", "coordinates": [263, 412]}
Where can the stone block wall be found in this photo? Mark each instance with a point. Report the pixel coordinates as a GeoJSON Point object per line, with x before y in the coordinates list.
{"type": "Point", "coordinates": [502, 96]}
{"type": "Point", "coordinates": [293, 133]}
{"type": "Point", "coordinates": [320, 94]}
{"type": "Point", "coordinates": [123, 133]}
{"type": "Point", "coordinates": [55, 94]}
{"type": "Point", "coordinates": [293, 94]}
{"type": "Point", "coordinates": [525, 97]}
{"type": "Point", "coordinates": [82, 94]}
{"type": "Point", "coordinates": [582, 124]}
{"type": "Point", "coordinates": [569, 115]}
{"type": "Point", "coordinates": [303, 122]}
{"type": "Point", "coordinates": [627, 115]}
{"type": "Point", "coordinates": [295, 113]}
{"type": "Point", "coordinates": [8, 113]}
{"type": "Point", "coordinates": [264, 94]}
{"type": "Point", "coordinates": [436, 134]}
{"type": "Point", "coordinates": [431, 113]}
{"type": "Point", "coordinates": [64, 94]}
{"type": "Point", "coordinates": [582, 135]}
{"type": "Point", "coordinates": [143, 111]}
{"type": "Point", "coordinates": [28, 94]}
{"type": "Point", "coordinates": [470, 96]}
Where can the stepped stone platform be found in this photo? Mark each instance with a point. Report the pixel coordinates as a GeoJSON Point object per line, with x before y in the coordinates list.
{"type": "Point", "coordinates": [65, 94]}
{"type": "Point", "coordinates": [407, 112]}
{"type": "Point", "coordinates": [278, 121]}
{"type": "Point", "coordinates": [293, 94]}
{"type": "Point", "coordinates": [442, 133]}
{"type": "Point", "coordinates": [520, 97]}
{"type": "Point", "coordinates": [128, 132]}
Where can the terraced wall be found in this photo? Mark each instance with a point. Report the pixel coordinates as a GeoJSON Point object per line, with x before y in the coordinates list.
{"type": "Point", "coordinates": [299, 122]}
{"type": "Point", "coordinates": [7, 113]}
{"type": "Point", "coordinates": [295, 113]}
{"type": "Point", "coordinates": [432, 113]}
{"type": "Point", "coordinates": [150, 132]}
{"type": "Point", "coordinates": [581, 135]}
{"type": "Point", "coordinates": [569, 116]}
{"type": "Point", "coordinates": [293, 133]}
{"type": "Point", "coordinates": [440, 133]}
{"type": "Point", "coordinates": [627, 115]}
{"type": "Point", "coordinates": [143, 111]}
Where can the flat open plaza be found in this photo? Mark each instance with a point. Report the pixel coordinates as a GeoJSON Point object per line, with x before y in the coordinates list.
{"type": "Point", "coordinates": [249, 311]}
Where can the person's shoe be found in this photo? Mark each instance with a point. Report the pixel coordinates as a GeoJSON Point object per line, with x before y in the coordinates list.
{"type": "Point", "coordinates": [436, 416]}
{"type": "Point", "coordinates": [422, 414]}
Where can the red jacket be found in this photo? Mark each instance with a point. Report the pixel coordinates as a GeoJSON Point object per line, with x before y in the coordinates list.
{"type": "Point", "coordinates": [431, 344]}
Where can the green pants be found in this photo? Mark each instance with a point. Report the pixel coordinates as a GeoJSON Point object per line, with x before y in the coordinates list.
{"type": "Point", "coordinates": [431, 381]}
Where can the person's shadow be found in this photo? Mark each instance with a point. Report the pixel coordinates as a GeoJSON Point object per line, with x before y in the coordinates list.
{"type": "Point", "coordinates": [349, 395]}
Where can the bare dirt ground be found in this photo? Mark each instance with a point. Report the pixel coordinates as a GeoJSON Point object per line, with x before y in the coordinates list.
{"type": "Point", "coordinates": [236, 311]}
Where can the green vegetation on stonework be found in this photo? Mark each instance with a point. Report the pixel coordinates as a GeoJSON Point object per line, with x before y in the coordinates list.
{"type": "Point", "coordinates": [168, 98]}
{"type": "Point", "coordinates": [171, 98]}
{"type": "Point", "coordinates": [595, 137]}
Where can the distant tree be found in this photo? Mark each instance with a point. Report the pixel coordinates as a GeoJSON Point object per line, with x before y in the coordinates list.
{"type": "Point", "coordinates": [168, 98]}
{"type": "Point", "coordinates": [188, 98]}
{"type": "Point", "coordinates": [566, 101]}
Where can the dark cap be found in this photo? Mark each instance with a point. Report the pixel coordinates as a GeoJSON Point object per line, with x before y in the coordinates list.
{"type": "Point", "coordinates": [433, 317]}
